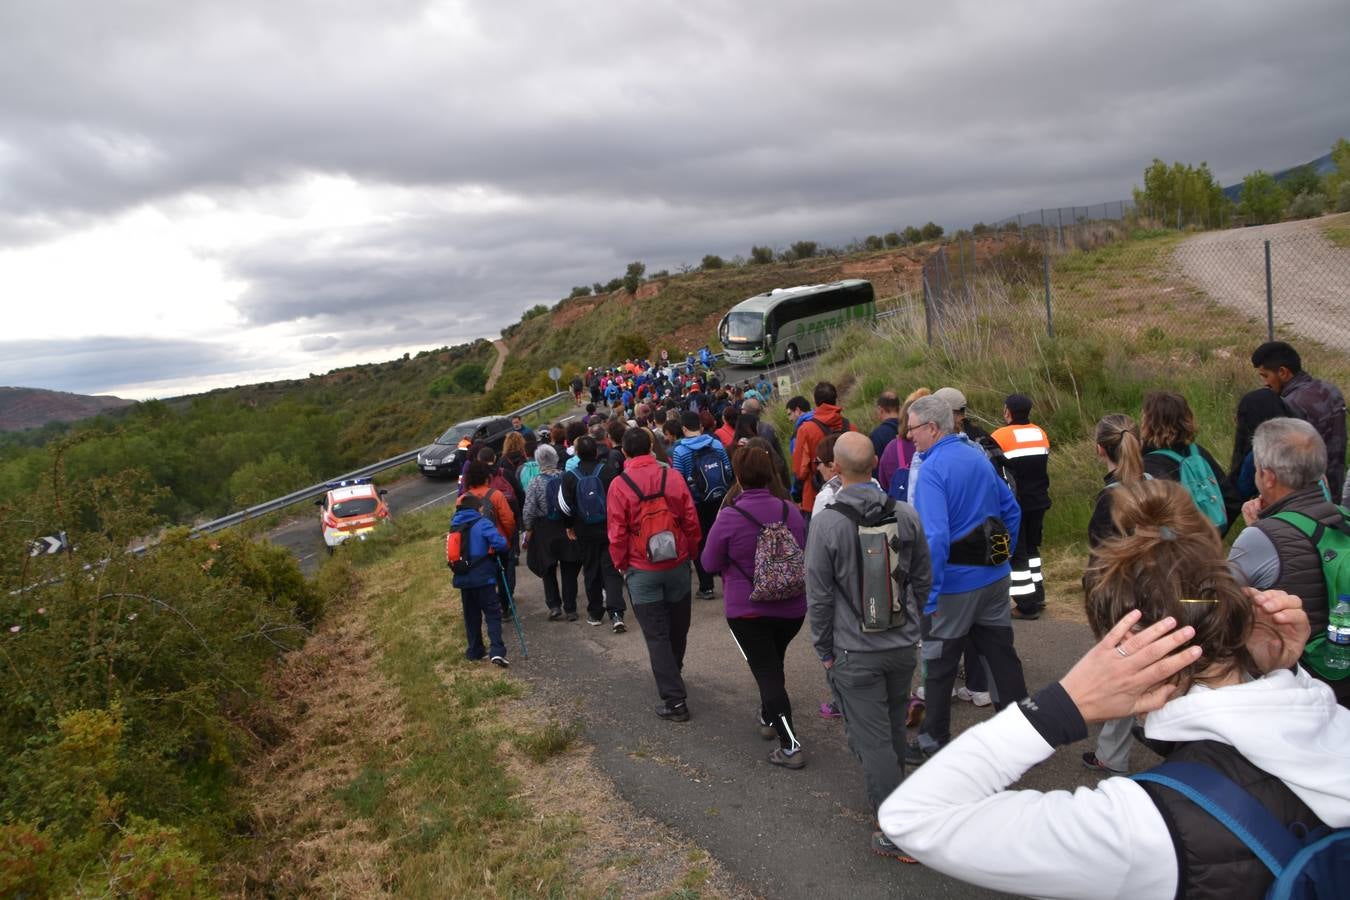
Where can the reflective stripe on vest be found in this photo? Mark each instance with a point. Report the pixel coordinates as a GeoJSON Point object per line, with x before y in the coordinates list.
{"type": "Point", "coordinates": [1018, 441]}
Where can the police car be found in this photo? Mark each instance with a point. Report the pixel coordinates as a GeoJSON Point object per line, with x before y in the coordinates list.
{"type": "Point", "coordinates": [350, 509]}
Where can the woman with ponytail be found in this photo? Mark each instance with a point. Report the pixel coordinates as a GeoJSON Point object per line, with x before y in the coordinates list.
{"type": "Point", "coordinates": [1211, 666]}
{"type": "Point", "coordinates": [762, 628]}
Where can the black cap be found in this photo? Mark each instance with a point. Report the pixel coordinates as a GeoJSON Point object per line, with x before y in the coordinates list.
{"type": "Point", "coordinates": [1018, 404]}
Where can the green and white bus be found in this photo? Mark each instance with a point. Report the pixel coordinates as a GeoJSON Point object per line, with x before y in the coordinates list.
{"type": "Point", "coordinates": [788, 323]}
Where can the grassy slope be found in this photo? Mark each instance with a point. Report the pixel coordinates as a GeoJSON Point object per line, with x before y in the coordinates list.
{"type": "Point", "coordinates": [409, 771]}
{"type": "Point", "coordinates": [1125, 323]}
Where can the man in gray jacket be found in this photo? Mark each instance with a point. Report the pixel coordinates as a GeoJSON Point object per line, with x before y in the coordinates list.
{"type": "Point", "coordinates": [869, 671]}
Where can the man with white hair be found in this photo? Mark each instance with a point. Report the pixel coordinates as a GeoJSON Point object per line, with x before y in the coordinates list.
{"type": "Point", "coordinates": [1278, 548]}
{"type": "Point", "coordinates": [970, 519]}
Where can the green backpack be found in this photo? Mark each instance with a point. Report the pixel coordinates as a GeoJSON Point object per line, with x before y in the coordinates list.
{"type": "Point", "coordinates": [1333, 546]}
{"type": "Point", "coordinates": [1198, 479]}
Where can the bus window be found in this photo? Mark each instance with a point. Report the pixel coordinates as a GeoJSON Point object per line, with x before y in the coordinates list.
{"type": "Point", "coordinates": [745, 327]}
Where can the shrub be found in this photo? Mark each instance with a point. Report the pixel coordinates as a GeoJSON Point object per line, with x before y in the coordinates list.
{"type": "Point", "coordinates": [579, 291]}
{"type": "Point", "coordinates": [803, 249]}
{"type": "Point", "coordinates": [629, 346]}
{"type": "Point", "coordinates": [1343, 197]}
{"type": "Point", "coordinates": [658, 275]}
{"type": "Point", "coordinates": [874, 242]}
{"type": "Point", "coordinates": [713, 261]}
{"type": "Point", "coordinates": [469, 378]}
{"type": "Point", "coordinates": [761, 256]}
{"type": "Point", "coordinates": [892, 239]}
{"type": "Point", "coordinates": [931, 231]}
{"type": "Point", "coordinates": [611, 286]}
{"type": "Point", "coordinates": [1307, 206]}
{"type": "Point", "coordinates": [912, 235]}
{"type": "Point", "coordinates": [979, 228]}
{"type": "Point", "coordinates": [597, 288]}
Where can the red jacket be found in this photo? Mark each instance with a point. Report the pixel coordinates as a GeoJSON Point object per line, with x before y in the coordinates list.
{"type": "Point", "coordinates": [622, 505]}
{"type": "Point", "coordinates": [727, 435]}
{"type": "Point", "coordinates": [809, 436]}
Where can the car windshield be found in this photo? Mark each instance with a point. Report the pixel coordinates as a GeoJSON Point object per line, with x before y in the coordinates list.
{"type": "Point", "coordinates": [745, 327]}
{"type": "Point", "coordinates": [357, 506]}
{"type": "Point", "coordinates": [454, 433]}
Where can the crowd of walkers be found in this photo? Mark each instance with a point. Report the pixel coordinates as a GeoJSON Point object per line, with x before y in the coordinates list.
{"type": "Point", "coordinates": [909, 551]}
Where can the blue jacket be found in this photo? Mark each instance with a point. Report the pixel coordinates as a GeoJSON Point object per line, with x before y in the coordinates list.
{"type": "Point", "coordinates": [682, 455]}
{"type": "Point", "coordinates": [483, 536]}
{"type": "Point", "coordinates": [955, 490]}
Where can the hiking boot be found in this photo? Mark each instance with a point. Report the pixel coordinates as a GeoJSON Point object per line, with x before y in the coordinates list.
{"type": "Point", "coordinates": [706, 594]}
{"type": "Point", "coordinates": [766, 730]}
{"type": "Point", "coordinates": [616, 623]}
{"type": "Point", "coordinates": [500, 662]}
{"type": "Point", "coordinates": [979, 698]}
{"type": "Point", "coordinates": [915, 755]}
{"type": "Point", "coordinates": [1091, 761]}
{"type": "Point", "coordinates": [788, 759]}
{"type": "Point", "coordinates": [1026, 616]}
{"type": "Point", "coordinates": [882, 846]}
{"type": "Point", "coordinates": [554, 614]}
{"type": "Point", "coordinates": [677, 712]}
{"type": "Point", "coordinates": [592, 620]}
{"type": "Point", "coordinates": [571, 617]}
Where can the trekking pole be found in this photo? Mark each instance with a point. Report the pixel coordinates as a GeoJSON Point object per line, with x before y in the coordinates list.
{"type": "Point", "coordinates": [511, 604]}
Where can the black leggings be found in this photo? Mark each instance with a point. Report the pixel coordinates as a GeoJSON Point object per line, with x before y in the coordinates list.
{"type": "Point", "coordinates": [764, 642]}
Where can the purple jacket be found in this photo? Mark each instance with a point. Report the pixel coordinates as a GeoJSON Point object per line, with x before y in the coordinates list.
{"type": "Point", "coordinates": [730, 550]}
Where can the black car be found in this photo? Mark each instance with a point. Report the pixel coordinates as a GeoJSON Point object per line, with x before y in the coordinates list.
{"type": "Point", "coordinates": [445, 458]}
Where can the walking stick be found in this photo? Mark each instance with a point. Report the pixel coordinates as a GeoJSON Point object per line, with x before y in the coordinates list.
{"type": "Point", "coordinates": [511, 604]}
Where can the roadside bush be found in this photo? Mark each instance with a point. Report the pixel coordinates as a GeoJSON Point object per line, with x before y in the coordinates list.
{"type": "Point", "coordinates": [629, 346]}
{"type": "Point", "coordinates": [713, 261]}
{"type": "Point", "coordinates": [761, 256]}
{"type": "Point", "coordinates": [1307, 206]}
{"type": "Point", "coordinates": [892, 239]}
{"type": "Point", "coordinates": [803, 249]}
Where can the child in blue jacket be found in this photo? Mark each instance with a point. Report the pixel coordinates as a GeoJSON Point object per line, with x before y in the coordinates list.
{"type": "Point", "coordinates": [478, 586]}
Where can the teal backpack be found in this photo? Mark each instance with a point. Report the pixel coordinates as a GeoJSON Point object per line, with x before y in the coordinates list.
{"type": "Point", "coordinates": [1332, 541]}
{"type": "Point", "coordinates": [1198, 479]}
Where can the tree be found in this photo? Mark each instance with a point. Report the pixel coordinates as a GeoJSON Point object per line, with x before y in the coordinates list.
{"type": "Point", "coordinates": [1181, 194]}
{"type": "Point", "coordinates": [632, 279]}
{"type": "Point", "coordinates": [874, 242]}
{"type": "Point", "coordinates": [803, 249]}
{"type": "Point", "coordinates": [713, 261]}
{"type": "Point", "coordinates": [611, 286]}
{"type": "Point", "coordinates": [579, 291]}
{"type": "Point", "coordinates": [912, 235]}
{"type": "Point", "coordinates": [979, 228]}
{"type": "Point", "coordinates": [597, 288]}
{"type": "Point", "coordinates": [1303, 180]}
{"type": "Point", "coordinates": [1262, 200]}
{"type": "Point", "coordinates": [892, 239]}
{"type": "Point", "coordinates": [760, 256]}
{"type": "Point", "coordinates": [1340, 175]}
{"type": "Point", "coordinates": [931, 231]}
{"type": "Point", "coordinates": [469, 378]}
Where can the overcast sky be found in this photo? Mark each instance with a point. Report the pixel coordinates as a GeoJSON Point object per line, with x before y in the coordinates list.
{"type": "Point", "coordinates": [195, 195]}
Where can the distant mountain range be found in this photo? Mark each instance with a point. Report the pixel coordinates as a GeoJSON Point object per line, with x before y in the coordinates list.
{"type": "Point", "coordinates": [1322, 165]}
{"type": "Point", "coordinates": [22, 407]}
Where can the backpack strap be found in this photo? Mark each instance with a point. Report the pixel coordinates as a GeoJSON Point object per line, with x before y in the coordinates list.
{"type": "Point", "coordinates": [1167, 454]}
{"type": "Point", "coordinates": [1232, 806]}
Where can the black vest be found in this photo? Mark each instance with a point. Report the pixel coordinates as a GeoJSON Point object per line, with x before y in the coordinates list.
{"type": "Point", "coordinates": [1211, 861]}
{"type": "Point", "coordinates": [1300, 566]}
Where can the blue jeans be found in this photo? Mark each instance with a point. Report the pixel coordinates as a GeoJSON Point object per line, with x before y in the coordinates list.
{"type": "Point", "coordinates": [480, 603]}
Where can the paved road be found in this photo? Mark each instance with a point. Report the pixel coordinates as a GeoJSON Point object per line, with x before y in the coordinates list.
{"type": "Point", "coordinates": [788, 834]}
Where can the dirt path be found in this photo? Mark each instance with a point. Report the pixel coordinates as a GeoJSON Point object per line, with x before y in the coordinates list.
{"type": "Point", "coordinates": [496, 373]}
{"type": "Point", "coordinates": [1310, 277]}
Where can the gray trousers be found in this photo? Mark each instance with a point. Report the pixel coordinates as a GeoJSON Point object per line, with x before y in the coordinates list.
{"type": "Point", "coordinates": [872, 690]}
{"type": "Point", "coordinates": [1114, 743]}
{"type": "Point", "coordinates": [662, 607]}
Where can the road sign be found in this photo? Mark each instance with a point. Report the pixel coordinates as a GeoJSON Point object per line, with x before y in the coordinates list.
{"type": "Point", "coordinates": [555, 373]}
{"type": "Point", "coordinates": [46, 546]}
{"type": "Point", "coordinates": [784, 385]}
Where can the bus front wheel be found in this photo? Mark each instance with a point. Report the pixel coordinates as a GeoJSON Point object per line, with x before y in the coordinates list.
{"type": "Point", "coordinates": [792, 355]}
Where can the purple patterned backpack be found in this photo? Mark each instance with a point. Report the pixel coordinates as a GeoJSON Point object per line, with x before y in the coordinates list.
{"type": "Point", "coordinates": [780, 565]}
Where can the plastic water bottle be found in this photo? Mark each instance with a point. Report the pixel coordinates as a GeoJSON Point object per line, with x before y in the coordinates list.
{"type": "Point", "coordinates": [1338, 635]}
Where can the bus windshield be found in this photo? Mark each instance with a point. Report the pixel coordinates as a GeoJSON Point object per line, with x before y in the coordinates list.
{"type": "Point", "coordinates": [745, 327]}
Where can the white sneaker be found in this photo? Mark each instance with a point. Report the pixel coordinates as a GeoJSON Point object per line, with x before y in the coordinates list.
{"type": "Point", "coordinates": [918, 692]}
{"type": "Point", "coordinates": [979, 698]}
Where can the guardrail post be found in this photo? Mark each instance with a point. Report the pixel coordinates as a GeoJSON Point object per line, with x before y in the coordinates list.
{"type": "Point", "coordinates": [1270, 299]}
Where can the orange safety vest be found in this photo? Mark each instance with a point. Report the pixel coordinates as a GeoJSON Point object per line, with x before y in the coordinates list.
{"type": "Point", "coordinates": [1018, 441]}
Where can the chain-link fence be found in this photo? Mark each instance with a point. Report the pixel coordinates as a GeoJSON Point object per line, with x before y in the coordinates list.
{"type": "Point", "coordinates": [1293, 278]}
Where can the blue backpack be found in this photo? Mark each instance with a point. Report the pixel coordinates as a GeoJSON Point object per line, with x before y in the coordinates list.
{"type": "Point", "coordinates": [710, 478]}
{"type": "Point", "coordinates": [590, 496]}
{"type": "Point", "coordinates": [553, 496]}
{"type": "Point", "coordinates": [1305, 864]}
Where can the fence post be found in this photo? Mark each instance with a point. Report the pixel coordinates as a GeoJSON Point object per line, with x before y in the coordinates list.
{"type": "Point", "coordinates": [1270, 300]}
{"type": "Point", "coordinates": [927, 310]}
{"type": "Point", "coordinates": [1049, 318]}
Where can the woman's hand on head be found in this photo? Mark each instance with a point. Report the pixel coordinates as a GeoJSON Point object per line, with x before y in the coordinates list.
{"type": "Point", "coordinates": [1125, 674]}
{"type": "Point", "coordinates": [1281, 629]}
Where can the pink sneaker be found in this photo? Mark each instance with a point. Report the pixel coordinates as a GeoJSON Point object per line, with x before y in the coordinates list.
{"type": "Point", "coordinates": [829, 711]}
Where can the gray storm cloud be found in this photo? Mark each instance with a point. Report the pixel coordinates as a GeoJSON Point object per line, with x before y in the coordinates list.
{"type": "Point", "coordinates": [660, 131]}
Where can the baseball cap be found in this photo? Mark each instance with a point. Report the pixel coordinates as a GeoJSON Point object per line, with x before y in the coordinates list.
{"type": "Point", "coordinates": [952, 397]}
{"type": "Point", "coordinates": [1018, 404]}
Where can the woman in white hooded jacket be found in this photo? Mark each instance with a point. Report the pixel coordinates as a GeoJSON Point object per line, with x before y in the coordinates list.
{"type": "Point", "coordinates": [1230, 695]}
